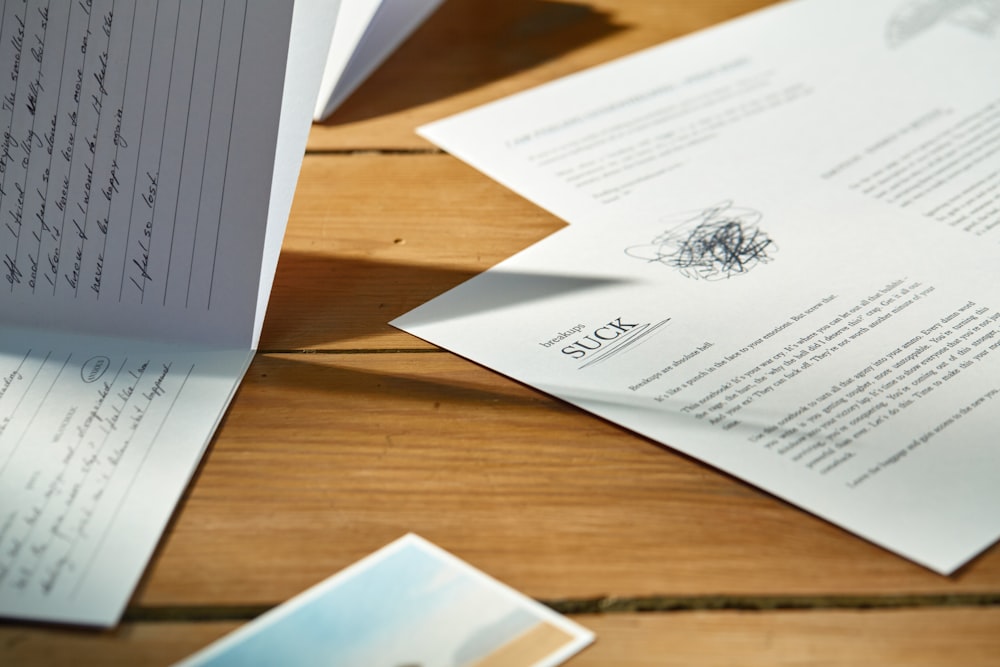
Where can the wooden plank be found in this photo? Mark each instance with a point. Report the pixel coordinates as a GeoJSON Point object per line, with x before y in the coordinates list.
{"type": "Point", "coordinates": [130, 644]}
{"type": "Point", "coordinates": [913, 637]}
{"type": "Point", "coordinates": [474, 51]}
{"type": "Point", "coordinates": [324, 458]}
{"type": "Point", "coordinates": [528, 648]}
{"type": "Point", "coordinates": [910, 637]}
{"type": "Point", "coordinates": [373, 236]}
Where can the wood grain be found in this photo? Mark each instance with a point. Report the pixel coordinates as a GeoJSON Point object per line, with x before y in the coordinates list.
{"type": "Point", "coordinates": [373, 236]}
{"type": "Point", "coordinates": [911, 637]}
{"type": "Point", "coordinates": [474, 51]}
{"type": "Point", "coordinates": [324, 458]}
{"type": "Point", "coordinates": [907, 637]}
{"type": "Point", "coordinates": [348, 433]}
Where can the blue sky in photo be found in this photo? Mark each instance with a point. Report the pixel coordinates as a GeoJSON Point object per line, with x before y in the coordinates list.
{"type": "Point", "coordinates": [411, 608]}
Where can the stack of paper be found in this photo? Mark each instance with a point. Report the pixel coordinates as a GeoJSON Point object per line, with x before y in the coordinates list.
{"type": "Point", "coordinates": [774, 263]}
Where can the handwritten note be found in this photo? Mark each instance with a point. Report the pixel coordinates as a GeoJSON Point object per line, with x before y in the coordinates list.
{"type": "Point", "coordinates": [124, 163]}
{"type": "Point", "coordinates": [93, 436]}
{"type": "Point", "coordinates": [149, 151]}
{"type": "Point", "coordinates": [45, 533]}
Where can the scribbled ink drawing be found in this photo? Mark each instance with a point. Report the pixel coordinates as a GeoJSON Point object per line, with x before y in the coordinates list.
{"type": "Point", "coordinates": [719, 242]}
{"type": "Point", "coordinates": [914, 17]}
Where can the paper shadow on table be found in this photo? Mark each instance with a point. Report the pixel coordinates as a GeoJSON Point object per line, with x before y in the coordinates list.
{"type": "Point", "coordinates": [466, 44]}
{"type": "Point", "coordinates": [458, 394]}
{"type": "Point", "coordinates": [416, 396]}
{"type": "Point", "coordinates": [318, 300]}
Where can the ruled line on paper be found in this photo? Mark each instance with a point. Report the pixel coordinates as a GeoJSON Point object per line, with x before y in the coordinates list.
{"type": "Point", "coordinates": [74, 139]}
{"type": "Point", "coordinates": [204, 162]}
{"type": "Point", "coordinates": [33, 89]}
{"type": "Point", "coordinates": [27, 391]}
{"type": "Point", "coordinates": [128, 490]}
{"type": "Point", "coordinates": [218, 229]}
{"type": "Point", "coordinates": [112, 93]}
{"type": "Point", "coordinates": [113, 187]}
{"type": "Point", "coordinates": [50, 139]}
{"type": "Point", "coordinates": [60, 488]}
{"type": "Point", "coordinates": [143, 264]}
{"type": "Point", "coordinates": [151, 165]}
{"type": "Point", "coordinates": [184, 146]}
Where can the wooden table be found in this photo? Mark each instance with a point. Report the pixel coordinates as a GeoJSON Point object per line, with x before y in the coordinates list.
{"type": "Point", "coordinates": [347, 433]}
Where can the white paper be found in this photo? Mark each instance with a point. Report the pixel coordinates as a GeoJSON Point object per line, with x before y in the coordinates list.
{"type": "Point", "coordinates": [139, 223]}
{"type": "Point", "coordinates": [98, 439]}
{"type": "Point", "coordinates": [312, 24]}
{"type": "Point", "coordinates": [580, 143]}
{"type": "Point", "coordinates": [806, 341]}
{"type": "Point", "coordinates": [786, 296]}
{"type": "Point", "coordinates": [146, 171]}
{"type": "Point", "coordinates": [367, 31]}
{"type": "Point", "coordinates": [408, 603]}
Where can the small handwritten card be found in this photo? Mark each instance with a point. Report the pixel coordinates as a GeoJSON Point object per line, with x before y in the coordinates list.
{"type": "Point", "coordinates": [410, 603]}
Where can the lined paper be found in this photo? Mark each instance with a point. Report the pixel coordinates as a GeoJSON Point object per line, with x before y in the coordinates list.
{"type": "Point", "coordinates": [138, 144]}
{"type": "Point", "coordinates": [98, 437]}
{"type": "Point", "coordinates": [143, 195]}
